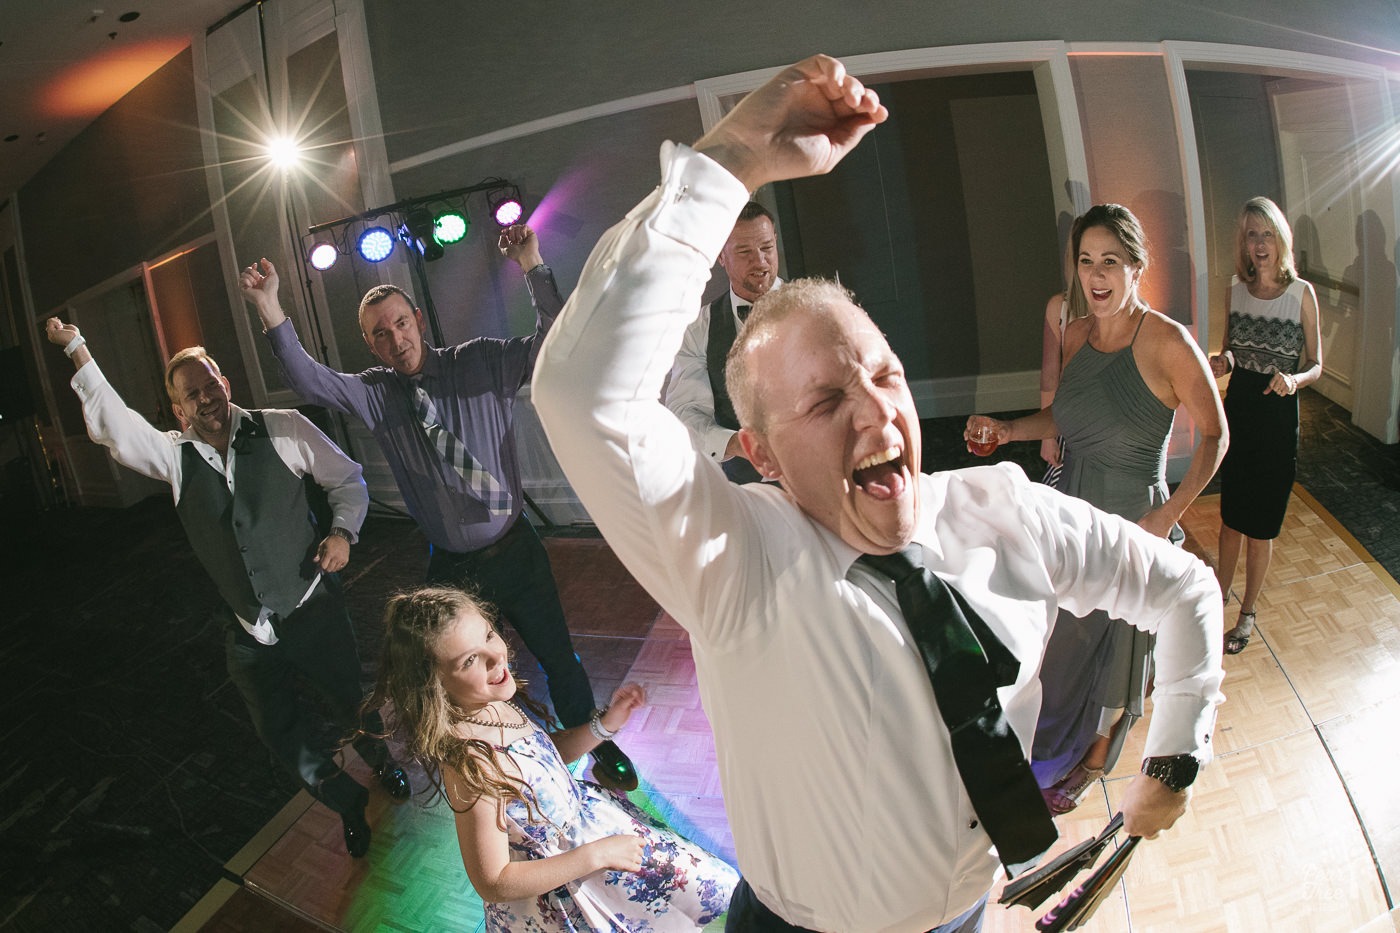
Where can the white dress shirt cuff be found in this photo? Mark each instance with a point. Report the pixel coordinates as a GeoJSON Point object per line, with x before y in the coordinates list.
{"type": "Point", "coordinates": [1181, 723]}
{"type": "Point", "coordinates": [87, 379]}
{"type": "Point", "coordinates": [717, 442]}
{"type": "Point", "coordinates": [710, 195]}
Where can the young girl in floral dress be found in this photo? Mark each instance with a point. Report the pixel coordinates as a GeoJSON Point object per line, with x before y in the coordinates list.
{"type": "Point", "coordinates": [545, 851]}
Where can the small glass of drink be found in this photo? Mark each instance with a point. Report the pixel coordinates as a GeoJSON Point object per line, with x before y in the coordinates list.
{"type": "Point", "coordinates": [982, 440]}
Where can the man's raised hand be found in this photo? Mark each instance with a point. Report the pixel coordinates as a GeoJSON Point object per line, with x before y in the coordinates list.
{"type": "Point", "coordinates": [60, 333]}
{"type": "Point", "coordinates": [802, 122]}
{"type": "Point", "coordinates": [258, 283]}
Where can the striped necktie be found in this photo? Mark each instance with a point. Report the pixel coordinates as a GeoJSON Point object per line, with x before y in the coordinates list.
{"type": "Point", "coordinates": [482, 484]}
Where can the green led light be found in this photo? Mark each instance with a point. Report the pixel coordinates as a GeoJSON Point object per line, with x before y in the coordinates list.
{"type": "Point", "coordinates": [449, 227]}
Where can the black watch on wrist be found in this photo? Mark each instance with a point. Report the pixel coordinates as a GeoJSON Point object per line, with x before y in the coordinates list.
{"type": "Point", "coordinates": [1175, 771]}
{"type": "Point", "coordinates": [341, 533]}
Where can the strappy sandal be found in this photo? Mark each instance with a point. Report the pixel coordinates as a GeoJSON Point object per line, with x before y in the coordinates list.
{"type": "Point", "coordinates": [1238, 637]}
{"type": "Point", "coordinates": [1065, 796]}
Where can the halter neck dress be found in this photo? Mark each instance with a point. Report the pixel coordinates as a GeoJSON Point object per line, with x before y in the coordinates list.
{"type": "Point", "coordinates": [1097, 669]}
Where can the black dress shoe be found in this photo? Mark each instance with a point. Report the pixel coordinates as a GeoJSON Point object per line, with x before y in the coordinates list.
{"type": "Point", "coordinates": [394, 779]}
{"type": "Point", "coordinates": [356, 832]}
{"type": "Point", "coordinates": [612, 768]}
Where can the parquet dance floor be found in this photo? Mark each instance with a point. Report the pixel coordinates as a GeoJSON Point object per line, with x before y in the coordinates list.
{"type": "Point", "coordinates": [1294, 827]}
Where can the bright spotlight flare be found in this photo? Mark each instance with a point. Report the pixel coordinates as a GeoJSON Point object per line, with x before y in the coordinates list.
{"type": "Point", "coordinates": [283, 152]}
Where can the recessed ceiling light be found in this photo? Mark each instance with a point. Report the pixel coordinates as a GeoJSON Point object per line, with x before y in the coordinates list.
{"type": "Point", "coordinates": [128, 17]}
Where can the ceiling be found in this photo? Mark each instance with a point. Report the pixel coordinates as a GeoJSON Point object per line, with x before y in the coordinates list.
{"type": "Point", "coordinates": [64, 62]}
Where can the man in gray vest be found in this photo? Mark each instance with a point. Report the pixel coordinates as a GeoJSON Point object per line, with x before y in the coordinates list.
{"type": "Point", "coordinates": [237, 480]}
{"type": "Point", "coordinates": [696, 392]}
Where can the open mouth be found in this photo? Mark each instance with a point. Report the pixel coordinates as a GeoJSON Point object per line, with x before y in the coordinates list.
{"type": "Point", "coordinates": [1098, 295]}
{"type": "Point", "coordinates": [505, 672]}
{"type": "Point", "coordinates": [882, 474]}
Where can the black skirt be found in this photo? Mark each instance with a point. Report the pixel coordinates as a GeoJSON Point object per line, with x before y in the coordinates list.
{"type": "Point", "coordinates": [1256, 476]}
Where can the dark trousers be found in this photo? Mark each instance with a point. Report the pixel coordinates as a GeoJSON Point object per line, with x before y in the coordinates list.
{"type": "Point", "coordinates": [748, 915]}
{"type": "Point", "coordinates": [316, 641]}
{"type": "Point", "coordinates": [514, 575]}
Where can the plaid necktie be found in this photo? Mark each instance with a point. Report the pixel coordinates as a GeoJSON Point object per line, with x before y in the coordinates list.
{"type": "Point", "coordinates": [481, 483]}
{"type": "Point", "coordinates": [966, 662]}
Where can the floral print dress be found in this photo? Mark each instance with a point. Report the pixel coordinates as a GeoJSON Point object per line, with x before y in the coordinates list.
{"type": "Point", "coordinates": [680, 886]}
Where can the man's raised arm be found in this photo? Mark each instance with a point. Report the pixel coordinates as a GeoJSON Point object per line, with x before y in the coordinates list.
{"type": "Point", "coordinates": [598, 381]}
{"type": "Point", "coordinates": [313, 381]}
{"type": "Point", "coordinates": [132, 440]}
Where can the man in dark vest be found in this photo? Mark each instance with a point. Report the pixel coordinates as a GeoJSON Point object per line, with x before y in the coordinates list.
{"type": "Point", "coordinates": [696, 392]}
{"type": "Point", "coordinates": [237, 478]}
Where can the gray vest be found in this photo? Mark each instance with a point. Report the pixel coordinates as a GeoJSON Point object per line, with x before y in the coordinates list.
{"type": "Point", "coordinates": [721, 338]}
{"type": "Point", "coordinates": [257, 544]}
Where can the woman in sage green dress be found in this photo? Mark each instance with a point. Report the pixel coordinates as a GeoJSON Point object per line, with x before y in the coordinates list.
{"type": "Point", "coordinates": [1127, 369]}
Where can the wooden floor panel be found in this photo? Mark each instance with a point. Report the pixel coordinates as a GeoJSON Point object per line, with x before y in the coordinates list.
{"type": "Point", "coordinates": [1292, 827]}
{"type": "Point", "coordinates": [412, 878]}
{"type": "Point", "coordinates": [1338, 636]}
{"type": "Point", "coordinates": [1270, 843]}
{"type": "Point", "coordinates": [1363, 745]}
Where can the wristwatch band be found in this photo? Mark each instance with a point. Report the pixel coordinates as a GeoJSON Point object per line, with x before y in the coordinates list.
{"type": "Point", "coordinates": [1175, 771]}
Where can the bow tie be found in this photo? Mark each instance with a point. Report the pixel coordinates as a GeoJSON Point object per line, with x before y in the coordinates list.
{"type": "Point", "coordinates": [247, 431]}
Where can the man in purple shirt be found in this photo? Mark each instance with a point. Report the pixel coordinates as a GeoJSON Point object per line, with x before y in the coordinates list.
{"type": "Point", "coordinates": [443, 418]}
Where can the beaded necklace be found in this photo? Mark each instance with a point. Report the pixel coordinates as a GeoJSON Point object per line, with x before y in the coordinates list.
{"type": "Point", "coordinates": [500, 723]}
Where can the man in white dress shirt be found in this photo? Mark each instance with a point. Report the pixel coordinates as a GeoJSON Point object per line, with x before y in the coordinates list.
{"type": "Point", "coordinates": [696, 392]}
{"type": "Point", "coordinates": [848, 810]}
{"type": "Point", "coordinates": [238, 480]}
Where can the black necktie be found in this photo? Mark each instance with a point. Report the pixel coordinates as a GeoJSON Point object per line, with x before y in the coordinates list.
{"type": "Point", "coordinates": [742, 311]}
{"type": "Point", "coordinates": [966, 662]}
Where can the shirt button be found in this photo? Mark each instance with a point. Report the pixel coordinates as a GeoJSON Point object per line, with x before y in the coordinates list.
{"type": "Point", "coordinates": [971, 824]}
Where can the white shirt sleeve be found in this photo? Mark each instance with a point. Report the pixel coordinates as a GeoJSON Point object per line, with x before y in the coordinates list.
{"type": "Point", "coordinates": [1102, 561]}
{"type": "Point", "coordinates": [133, 441]}
{"type": "Point", "coordinates": [304, 449]}
{"type": "Point", "coordinates": [689, 393]}
{"type": "Point", "coordinates": [671, 516]}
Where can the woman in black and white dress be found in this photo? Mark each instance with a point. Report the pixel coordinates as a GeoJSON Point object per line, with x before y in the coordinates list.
{"type": "Point", "coordinates": [1272, 348]}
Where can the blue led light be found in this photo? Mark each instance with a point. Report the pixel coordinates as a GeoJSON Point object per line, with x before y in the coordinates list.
{"type": "Point", "coordinates": [376, 244]}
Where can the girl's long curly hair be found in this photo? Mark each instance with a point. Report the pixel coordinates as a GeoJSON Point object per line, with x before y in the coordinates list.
{"type": "Point", "coordinates": [425, 718]}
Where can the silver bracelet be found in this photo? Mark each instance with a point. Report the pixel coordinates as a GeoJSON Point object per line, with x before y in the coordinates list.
{"type": "Point", "coordinates": [72, 346]}
{"type": "Point", "coordinates": [600, 731]}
